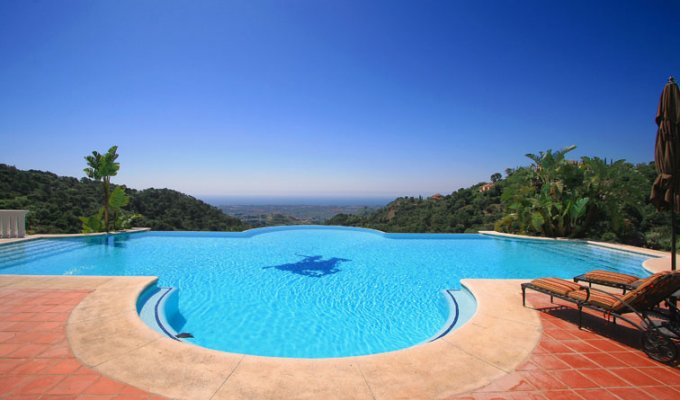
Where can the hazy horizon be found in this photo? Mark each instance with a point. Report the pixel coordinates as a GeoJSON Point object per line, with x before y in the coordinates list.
{"type": "Point", "coordinates": [296, 200]}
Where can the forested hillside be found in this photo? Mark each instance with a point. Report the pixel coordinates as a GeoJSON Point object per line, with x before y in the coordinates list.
{"type": "Point", "coordinates": [56, 203]}
{"type": "Point", "coordinates": [466, 210]}
{"type": "Point", "coordinates": [165, 209]}
{"type": "Point", "coordinates": [589, 198]}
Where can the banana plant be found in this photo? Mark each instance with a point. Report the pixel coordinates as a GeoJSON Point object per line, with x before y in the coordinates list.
{"type": "Point", "coordinates": [117, 200]}
{"type": "Point", "coordinates": [94, 223]}
{"type": "Point", "coordinates": [546, 198]}
{"type": "Point", "coordinates": [124, 219]}
{"type": "Point", "coordinates": [101, 167]}
{"type": "Point", "coordinates": [578, 210]}
{"type": "Point", "coordinates": [547, 164]}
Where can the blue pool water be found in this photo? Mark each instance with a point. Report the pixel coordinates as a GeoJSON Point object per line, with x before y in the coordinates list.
{"type": "Point", "coordinates": [311, 291]}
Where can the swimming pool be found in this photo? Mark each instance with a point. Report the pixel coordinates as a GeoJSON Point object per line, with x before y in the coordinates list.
{"type": "Point", "coordinates": [311, 291]}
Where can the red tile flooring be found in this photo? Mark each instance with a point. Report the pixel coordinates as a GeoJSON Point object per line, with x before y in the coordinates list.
{"type": "Point", "coordinates": [35, 359]}
{"type": "Point", "coordinates": [602, 362]}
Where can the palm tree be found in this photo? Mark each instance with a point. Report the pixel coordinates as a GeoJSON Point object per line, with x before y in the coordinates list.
{"type": "Point", "coordinates": [101, 167]}
{"type": "Point", "coordinates": [544, 198]}
{"type": "Point", "coordinates": [547, 164]}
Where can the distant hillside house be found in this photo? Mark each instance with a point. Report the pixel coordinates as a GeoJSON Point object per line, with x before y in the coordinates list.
{"type": "Point", "coordinates": [436, 197]}
{"type": "Point", "coordinates": [486, 187]}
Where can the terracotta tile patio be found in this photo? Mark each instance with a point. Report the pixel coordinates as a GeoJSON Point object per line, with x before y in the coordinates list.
{"type": "Point", "coordinates": [35, 359]}
{"type": "Point", "coordinates": [601, 362]}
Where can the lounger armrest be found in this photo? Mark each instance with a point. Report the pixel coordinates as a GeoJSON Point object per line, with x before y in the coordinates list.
{"type": "Point", "coordinates": [587, 289]}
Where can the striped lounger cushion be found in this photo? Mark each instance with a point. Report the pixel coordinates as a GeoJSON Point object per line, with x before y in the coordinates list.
{"type": "Point", "coordinates": [597, 298]}
{"type": "Point", "coordinates": [608, 276]}
{"type": "Point", "coordinates": [556, 285]}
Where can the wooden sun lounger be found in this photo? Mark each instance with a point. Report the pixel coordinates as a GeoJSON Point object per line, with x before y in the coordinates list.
{"type": "Point", "coordinates": [659, 338]}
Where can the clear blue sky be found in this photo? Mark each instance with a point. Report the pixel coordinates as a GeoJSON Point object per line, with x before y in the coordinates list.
{"type": "Point", "coordinates": [328, 98]}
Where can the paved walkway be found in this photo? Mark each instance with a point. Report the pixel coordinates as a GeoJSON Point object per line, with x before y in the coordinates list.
{"type": "Point", "coordinates": [36, 361]}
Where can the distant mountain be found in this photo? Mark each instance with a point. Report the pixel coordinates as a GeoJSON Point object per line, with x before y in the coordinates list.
{"type": "Point", "coordinates": [55, 203]}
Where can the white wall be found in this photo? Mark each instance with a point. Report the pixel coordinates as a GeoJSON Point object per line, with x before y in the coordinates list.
{"type": "Point", "coordinates": [12, 223]}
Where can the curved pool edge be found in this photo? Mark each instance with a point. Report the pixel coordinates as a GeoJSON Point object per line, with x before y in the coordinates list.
{"type": "Point", "coordinates": [457, 301]}
{"type": "Point", "coordinates": [157, 306]}
{"type": "Point", "coordinates": [106, 333]}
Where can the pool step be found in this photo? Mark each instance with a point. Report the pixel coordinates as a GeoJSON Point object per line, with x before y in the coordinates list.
{"type": "Point", "coordinates": [27, 246]}
{"type": "Point", "coordinates": [454, 312]}
{"type": "Point", "coordinates": [27, 255]}
{"type": "Point", "coordinates": [43, 248]}
{"type": "Point", "coordinates": [154, 312]}
{"type": "Point", "coordinates": [462, 305]}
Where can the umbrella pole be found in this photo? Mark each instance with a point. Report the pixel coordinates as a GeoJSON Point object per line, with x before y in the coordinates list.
{"type": "Point", "coordinates": [672, 230]}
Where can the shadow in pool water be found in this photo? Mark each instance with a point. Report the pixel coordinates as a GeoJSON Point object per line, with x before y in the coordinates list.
{"type": "Point", "coordinates": [312, 266]}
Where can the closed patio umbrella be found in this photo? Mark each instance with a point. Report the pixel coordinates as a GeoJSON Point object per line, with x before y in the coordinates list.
{"type": "Point", "coordinates": [666, 188]}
